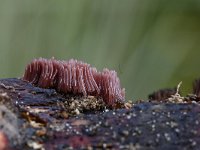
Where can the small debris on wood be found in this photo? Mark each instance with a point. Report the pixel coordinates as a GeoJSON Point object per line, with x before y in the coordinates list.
{"type": "Point", "coordinates": [176, 98]}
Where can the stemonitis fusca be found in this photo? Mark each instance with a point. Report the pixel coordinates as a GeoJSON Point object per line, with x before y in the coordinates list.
{"type": "Point", "coordinates": [75, 77]}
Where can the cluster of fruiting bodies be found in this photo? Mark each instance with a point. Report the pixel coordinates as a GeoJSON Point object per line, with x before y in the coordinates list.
{"type": "Point", "coordinates": [75, 77]}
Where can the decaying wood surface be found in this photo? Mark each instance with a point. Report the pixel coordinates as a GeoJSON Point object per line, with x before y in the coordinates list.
{"type": "Point", "coordinates": [35, 118]}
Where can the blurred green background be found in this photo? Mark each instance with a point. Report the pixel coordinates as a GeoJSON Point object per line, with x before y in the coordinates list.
{"type": "Point", "coordinates": [151, 44]}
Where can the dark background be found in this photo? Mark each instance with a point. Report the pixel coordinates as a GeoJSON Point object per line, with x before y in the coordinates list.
{"type": "Point", "coordinates": [151, 44]}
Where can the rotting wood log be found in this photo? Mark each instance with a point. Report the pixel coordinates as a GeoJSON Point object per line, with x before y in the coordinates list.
{"type": "Point", "coordinates": [36, 118]}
